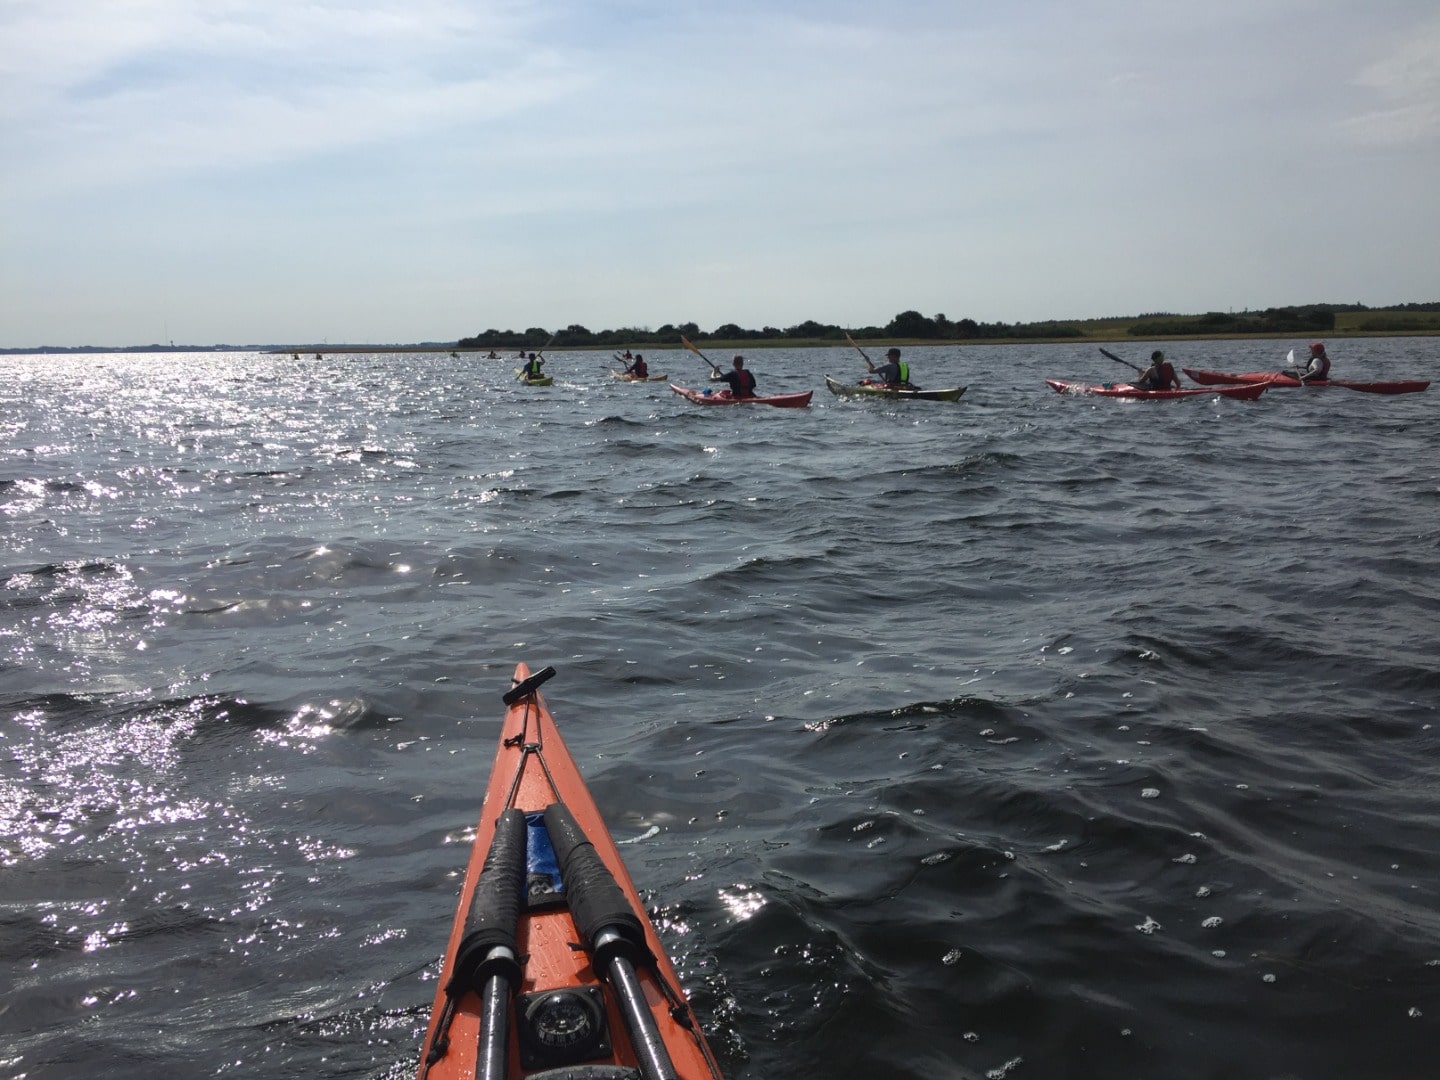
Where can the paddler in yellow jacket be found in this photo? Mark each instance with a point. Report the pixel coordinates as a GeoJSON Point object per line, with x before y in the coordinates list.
{"type": "Point", "coordinates": [894, 372]}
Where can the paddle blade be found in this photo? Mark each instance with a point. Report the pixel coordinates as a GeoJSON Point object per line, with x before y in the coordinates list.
{"type": "Point", "coordinates": [686, 342]}
{"type": "Point", "coordinates": [1290, 358]}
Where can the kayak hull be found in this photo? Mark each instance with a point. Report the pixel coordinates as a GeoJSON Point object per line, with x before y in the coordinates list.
{"type": "Point", "coordinates": [880, 390]}
{"type": "Point", "coordinates": [724, 397]}
{"type": "Point", "coordinates": [1285, 379]}
{"type": "Point", "coordinates": [622, 377]}
{"type": "Point", "coordinates": [1134, 393]}
{"type": "Point", "coordinates": [532, 770]}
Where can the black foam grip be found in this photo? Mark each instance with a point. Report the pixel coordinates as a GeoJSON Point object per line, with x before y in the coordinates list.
{"type": "Point", "coordinates": [597, 902]}
{"type": "Point", "coordinates": [494, 910]}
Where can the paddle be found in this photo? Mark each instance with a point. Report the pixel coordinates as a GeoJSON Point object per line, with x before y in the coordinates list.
{"type": "Point", "coordinates": [1117, 359]}
{"type": "Point", "coordinates": [684, 341]}
{"type": "Point", "coordinates": [861, 351]}
{"type": "Point", "coordinates": [1290, 359]}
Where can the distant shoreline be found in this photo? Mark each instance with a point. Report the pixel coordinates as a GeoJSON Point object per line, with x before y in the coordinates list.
{"type": "Point", "coordinates": [720, 345]}
{"type": "Point", "coordinates": [740, 345]}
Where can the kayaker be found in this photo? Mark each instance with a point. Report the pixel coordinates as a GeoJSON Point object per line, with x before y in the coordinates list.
{"type": "Point", "coordinates": [740, 381]}
{"type": "Point", "coordinates": [895, 372]}
{"type": "Point", "coordinates": [1319, 366]}
{"type": "Point", "coordinates": [1160, 375]}
{"type": "Point", "coordinates": [638, 368]}
{"type": "Point", "coordinates": [532, 367]}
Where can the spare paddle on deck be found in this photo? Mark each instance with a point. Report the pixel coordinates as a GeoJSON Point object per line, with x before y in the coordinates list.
{"type": "Point", "coordinates": [612, 934]}
{"type": "Point", "coordinates": [487, 960]}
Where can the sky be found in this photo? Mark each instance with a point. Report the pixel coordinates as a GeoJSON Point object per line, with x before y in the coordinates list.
{"type": "Point", "coordinates": [397, 171]}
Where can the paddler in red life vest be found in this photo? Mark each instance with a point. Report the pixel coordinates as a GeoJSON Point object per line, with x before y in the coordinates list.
{"type": "Point", "coordinates": [740, 381]}
{"type": "Point", "coordinates": [638, 368]}
{"type": "Point", "coordinates": [1319, 366]}
{"type": "Point", "coordinates": [895, 372]}
{"type": "Point", "coordinates": [1159, 375]}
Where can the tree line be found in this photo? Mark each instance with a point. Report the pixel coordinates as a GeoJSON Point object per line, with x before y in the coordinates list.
{"type": "Point", "coordinates": [906, 325]}
{"type": "Point", "coordinates": [913, 326]}
{"type": "Point", "coordinates": [1317, 318]}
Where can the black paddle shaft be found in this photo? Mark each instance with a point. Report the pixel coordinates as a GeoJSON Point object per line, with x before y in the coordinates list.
{"type": "Point", "coordinates": [1110, 355]}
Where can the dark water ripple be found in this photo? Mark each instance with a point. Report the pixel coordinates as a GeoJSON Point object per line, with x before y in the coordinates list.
{"type": "Point", "coordinates": [1023, 737]}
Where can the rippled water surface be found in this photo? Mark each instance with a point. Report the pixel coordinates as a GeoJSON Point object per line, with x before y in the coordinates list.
{"type": "Point", "coordinates": [1025, 736]}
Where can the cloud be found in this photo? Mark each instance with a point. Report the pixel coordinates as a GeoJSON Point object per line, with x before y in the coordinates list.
{"type": "Point", "coordinates": [1407, 82]}
{"type": "Point", "coordinates": [645, 161]}
{"type": "Point", "coordinates": [103, 93]}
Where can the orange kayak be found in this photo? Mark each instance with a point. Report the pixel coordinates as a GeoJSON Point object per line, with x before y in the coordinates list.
{"type": "Point", "coordinates": [553, 968]}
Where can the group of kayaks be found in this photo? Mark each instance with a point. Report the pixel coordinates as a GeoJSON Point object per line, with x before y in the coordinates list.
{"type": "Point", "coordinates": [554, 971]}
{"type": "Point", "coordinates": [798, 400]}
{"type": "Point", "coordinates": [1245, 386]}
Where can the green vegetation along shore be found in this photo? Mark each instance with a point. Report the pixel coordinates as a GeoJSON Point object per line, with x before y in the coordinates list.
{"type": "Point", "coordinates": [907, 328]}
{"type": "Point", "coordinates": [1332, 320]}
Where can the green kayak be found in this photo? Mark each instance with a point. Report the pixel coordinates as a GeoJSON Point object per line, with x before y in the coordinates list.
{"type": "Point", "coordinates": [873, 389]}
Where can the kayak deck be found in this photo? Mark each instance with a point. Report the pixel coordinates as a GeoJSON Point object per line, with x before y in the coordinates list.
{"type": "Point", "coordinates": [535, 979]}
{"type": "Point", "coordinates": [867, 389]}
{"type": "Point", "coordinates": [1132, 392]}
{"type": "Point", "coordinates": [638, 378]}
{"type": "Point", "coordinates": [724, 397]}
{"type": "Point", "coordinates": [1285, 379]}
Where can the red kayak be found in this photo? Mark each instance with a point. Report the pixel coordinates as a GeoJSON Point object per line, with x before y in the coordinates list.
{"type": "Point", "coordinates": [724, 397]}
{"type": "Point", "coordinates": [1128, 390]}
{"type": "Point", "coordinates": [553, 968]}
{"type": "Point", "coordinates": [1283, 378]}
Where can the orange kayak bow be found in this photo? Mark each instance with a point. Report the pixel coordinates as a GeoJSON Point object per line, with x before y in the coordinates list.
{"type": "Point", "coordinates": [553, 969]}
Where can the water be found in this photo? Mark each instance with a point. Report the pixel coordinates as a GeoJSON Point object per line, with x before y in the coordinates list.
{"type": "Point", "coordinates": [1025, 736]}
